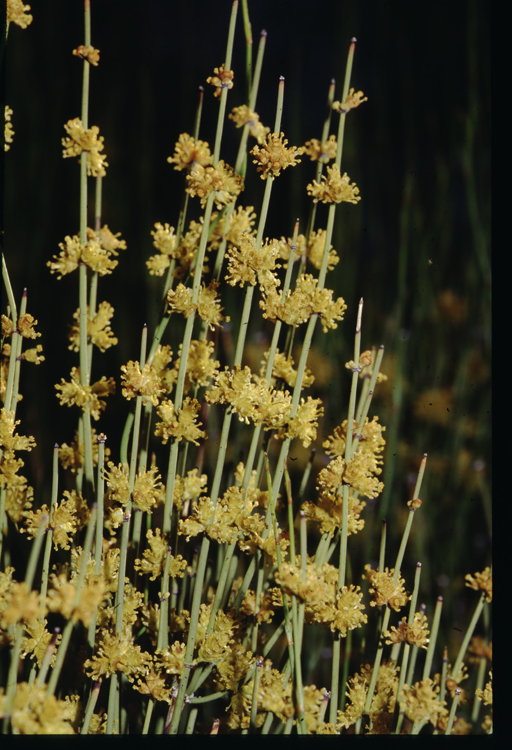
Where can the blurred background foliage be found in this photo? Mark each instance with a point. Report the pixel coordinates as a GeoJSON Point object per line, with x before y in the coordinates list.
{"type": "Point", "coordinates": [417, 246]}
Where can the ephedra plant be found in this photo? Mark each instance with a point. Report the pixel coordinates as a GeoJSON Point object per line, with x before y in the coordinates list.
{"type": "Point", "coordinates": [189, 576]}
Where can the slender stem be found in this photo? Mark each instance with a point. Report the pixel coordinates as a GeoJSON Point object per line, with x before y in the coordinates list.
{"type": "Point", "coordinates": [467, 636]}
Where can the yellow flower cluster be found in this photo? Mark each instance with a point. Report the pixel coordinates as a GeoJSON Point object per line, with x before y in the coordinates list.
{"type": "Point", "coordinates": [384, 590]}
{"type": "Point", "coordinates": [370, 442]}
{"type": "Point", "coordinates": [274, 693]}
{"type": "Point", "coordinates": [273, 155]}
{"type": "Point", "coordinates": [182, 427]}
{"type": "Point", "coordinates": [283, 369]}
{"type": "Point", "coordinates": [9, 443]}
{"type": "Point", "coordinates": [69, 517]}
{"type": "Point", "coordinates": [306, 299]}
{"type": "Point", "coordinates": [250, 397]}
{"type": "Point", "coordinates": [74, 393]}
{"type": "Point", "coordinates": [244, 116]}
{"type": "Point", "coordinates": [383, 701]}
{"type": "Point", "coordinates": [318, 151]}
{"type": "Point", "coordinates": [415, 634]}
{"type": "Point", "coordinates": [352, 101]}
{"type": "Point", "coordinates": [201, 367]}
{"type": "Point", "coordinates": [97, 254]}
{"type": "Point", "coordinates": [318, 590]}
{"type": "Point", "coordinates": [99, 331]}
{"type": "Point", "coordinates": [17, 602]}
{"type": "Point", "coordinates": [481, 581]}
{"type": "Point", "coordinates": [118, 654]}
{"type": "Point", "coordinates": [250, 264]}
{"type": "Point", "coordinates": [358, 473]}
{"type": "Point", "coordinates": [164, 241]}
{"type": "Point", "coordinates": [38, 641]}
{"type": "Point", "coordinates": [154, 558]}
{"type": "Point", "coordinates": [62, 595]}
{"type": "Point", "coordinates": [485, 695]}
{"type": "Point", "coordinates": [327, 512]}
{"type": "Point", "coordinates": [136, 382]}
{"type": "Point", "coordinates": [221, 180]}
{"type": "Point", "coordinates": [335, 188]}
{"type": "Point", "coordinates": [208, 305]}
{"type": "Point", "coordinates": [25, 326]}
{"type": "Point", "coordinates": [8, 129]}
{"type": "Point", "coordinates": [147, 487]}
{"type": "Point", "coordinates": [420, 702]}
{"type": "Point", "coordinates": [32, 711]}
{"type": "Point", "coordinates": [17, 13]}
{"type": "Point", "coordinates": [89, 53]}
{"type": "Point", "coordinates": [188, 152]}
{"type": "Point", "coordinates": [230, 520]}
{"type": "Point", "coordinates": [223, 79]}
{"type": "Point", "coordinates": [80, 140]}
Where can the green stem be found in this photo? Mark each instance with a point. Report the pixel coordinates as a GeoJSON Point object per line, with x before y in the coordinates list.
{"type": "Point", "coordinates": [467, 637]}
{"type": "Point", "coordinates": [91, 705]}
{"type": "Point", "coordinates": [61, 653]}
{"type": "Point", "coordinates": [433, 638]}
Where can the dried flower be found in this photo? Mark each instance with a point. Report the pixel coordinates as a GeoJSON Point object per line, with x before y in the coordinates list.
{"type": "Point", "coordinates": [334, 188]}
{"type": "Point", "coordinates": [88, 53]}
{"type": "Point", "coordinates": [223, 79]}
{"type": "Point", "coordinates": [273, 155]}
{"type": "Point", "coordinates": [80, 140]}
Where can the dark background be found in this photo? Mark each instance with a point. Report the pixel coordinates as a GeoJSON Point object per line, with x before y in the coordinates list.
{"type": "Point", "coordinates": [418, 150]}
